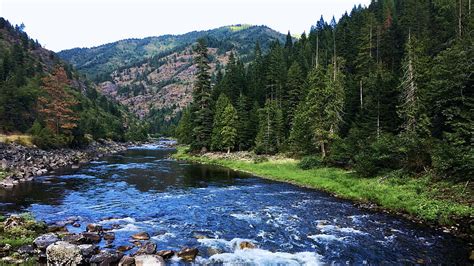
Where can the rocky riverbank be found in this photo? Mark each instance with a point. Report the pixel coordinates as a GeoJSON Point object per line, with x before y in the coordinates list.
{"type": "Point", "coordinates": [20, 164]}
{"type": "Point", "coordinates": [55, 245]}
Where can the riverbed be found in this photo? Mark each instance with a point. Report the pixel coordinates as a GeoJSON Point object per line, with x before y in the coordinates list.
{"type": "Point", "coordinates": [215, 209]}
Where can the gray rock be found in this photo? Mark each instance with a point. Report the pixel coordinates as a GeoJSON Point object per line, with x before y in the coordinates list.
{"type": "Point", "coordinates": [90, 238]}
{"type": "Point", "coordinates": [149, 260]}
{"type": "Point", "coordinates": [43, 241]}
{"type": "Point", "coordinates": [26, 250]}
{"type": "Point", "coordinates": [88, 250]}
{"type": "Point", "coordinates": [165, 254]}
{"type": "Point", "coordinates": [188, 254]}
{"type": "Point", "coordinates": [146, 249]}
{"type": "Point", "coordinates": [106, 257]}
{"type": "Point", "coordinates": [63, 253]}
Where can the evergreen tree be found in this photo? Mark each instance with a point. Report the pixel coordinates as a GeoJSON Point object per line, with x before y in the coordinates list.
{"type": "Point", "coordinates": [201, 107]}
{"type": "Point", "coordinates": [217, 141]}
{"type": "Point", "coordinates": [229, 128]}
{"type": "Point", "coordinates": [270, 135]}
{"type": "Point", "coordinates": [184, 129]}
{"type": "Point", "coordinates": [295, 86]}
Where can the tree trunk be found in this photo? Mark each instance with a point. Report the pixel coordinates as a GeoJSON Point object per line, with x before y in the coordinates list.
{"type": "Point", "coordinates": [323, 150]}
{"type": "Point", "coordinates": [228, 150]}
{"type": "Point", "coordinates": [361, 95]}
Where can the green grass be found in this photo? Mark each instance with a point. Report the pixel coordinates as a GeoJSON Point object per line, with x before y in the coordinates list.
{"type": "Point", "coordinates": [412, 196]}
{"type": "Point", "coordinates": [3, 174]}
{"type": "Point", "coordinates": [23, 234]}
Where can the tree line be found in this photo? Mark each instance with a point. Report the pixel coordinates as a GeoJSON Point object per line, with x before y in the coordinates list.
{"type": "Point", "coordinates": [386, 89]}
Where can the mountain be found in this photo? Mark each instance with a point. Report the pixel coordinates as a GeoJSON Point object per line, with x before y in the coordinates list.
{"type": "Point", "coordinates": [42, 95]}
{"type": "Point", "coordinates": [155, 74]}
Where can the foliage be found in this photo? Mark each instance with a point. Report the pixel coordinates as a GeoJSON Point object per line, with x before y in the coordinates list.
{"type": "Point", "coordinates": [23, 233]}
{"type": "Point", "coordinates": [310, 162]}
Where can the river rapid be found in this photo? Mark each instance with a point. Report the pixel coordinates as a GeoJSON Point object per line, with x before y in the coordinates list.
{"type": "Point", "coordinates": [215, 209]}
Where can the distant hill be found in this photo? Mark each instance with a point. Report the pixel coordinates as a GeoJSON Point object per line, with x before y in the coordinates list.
{"type": "Point", "coordinates": [156, 74]}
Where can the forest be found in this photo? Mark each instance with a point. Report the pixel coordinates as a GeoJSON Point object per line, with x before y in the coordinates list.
{"type": "Point", "coordinates": [45, 97]}
{"type": "Point", "coordinates": [387, 90]}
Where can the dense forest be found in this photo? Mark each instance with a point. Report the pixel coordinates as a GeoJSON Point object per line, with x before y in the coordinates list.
{"type": "Point", "coordinates": [385, 90]}
{"type": "Point", "coordinates": [45, 97]}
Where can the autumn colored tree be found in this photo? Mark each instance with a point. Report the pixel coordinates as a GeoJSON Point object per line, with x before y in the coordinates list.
{"type": "Point", "coordinates": [55, 106]}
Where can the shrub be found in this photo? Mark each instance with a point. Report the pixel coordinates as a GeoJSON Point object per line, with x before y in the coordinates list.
{"type": "Point", "coordinates": [453, 161]}
{"type": "Point", "coordinates": [310, 162]}
{"type": "Point", "coordinates": [44, 138]}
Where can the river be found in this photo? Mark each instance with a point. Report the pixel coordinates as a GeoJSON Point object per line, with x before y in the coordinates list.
{"type": "Point", "coordinates": [214, 209]}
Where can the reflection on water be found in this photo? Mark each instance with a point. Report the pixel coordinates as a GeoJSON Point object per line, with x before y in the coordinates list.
{"type": "Point", "coordinates": [215, 209]}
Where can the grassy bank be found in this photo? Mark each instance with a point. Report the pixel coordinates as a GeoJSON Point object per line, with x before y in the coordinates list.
{"type": "Point", "coordinates": [422, 198]}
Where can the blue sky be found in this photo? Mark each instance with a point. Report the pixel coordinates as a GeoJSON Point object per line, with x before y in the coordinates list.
{"type": "Point", "coordinates": [64, 24]}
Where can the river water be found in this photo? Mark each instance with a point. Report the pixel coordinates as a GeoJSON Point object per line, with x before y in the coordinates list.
{"type": "Point", "coordinates": [214, 209]}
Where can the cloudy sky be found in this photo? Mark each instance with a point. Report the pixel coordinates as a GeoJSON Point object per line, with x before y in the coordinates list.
{"type": "Point", "coordinates": [64, 24]}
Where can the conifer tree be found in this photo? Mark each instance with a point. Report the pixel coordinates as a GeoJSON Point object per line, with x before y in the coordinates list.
{"type": "Point", "coordinates": [184, 129]}
{"type": "Point", "coordinates": [201, 107]}
{"type": "Point", "coordinates": [221, 104]}
{"type": "Point", "coordinates": [229, 128]}
{"type": "Point", "coordinates": [271, 128]}
{"type": "Point", "coordinates": [295, 86]}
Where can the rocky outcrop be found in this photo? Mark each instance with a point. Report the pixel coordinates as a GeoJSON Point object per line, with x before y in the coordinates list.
{"type": "Point", "coordinates": [24, 163]}
{"type": "Point", "coordinates": [43, 241]}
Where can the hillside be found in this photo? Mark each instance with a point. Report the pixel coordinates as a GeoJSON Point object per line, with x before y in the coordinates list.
{"type": "Point", "coordinates": [155, 75]}
{"type": "Point", "coordinates": [42, 95]}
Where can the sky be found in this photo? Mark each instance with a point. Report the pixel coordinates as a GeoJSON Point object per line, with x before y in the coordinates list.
{"type": "Point", "coordinates": [65, 24]}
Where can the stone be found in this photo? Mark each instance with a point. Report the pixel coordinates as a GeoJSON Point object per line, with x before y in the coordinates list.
{"type": "Point", "coordinates": [146, 249]}
{"type": "Point", "coordinates": [109, 236]}
{"type": "Point", "coordinates": [43, 241]}
{"type": "Point", "coordinates": [74, 238]}
{"type": "Point", "coordinates": [127, 261]}
{"type": "Point", "coordinates": [57, 229]}
{"type": "Point", "coordinates": [90, 238]}
{"type": "Point", "coordinates": [124, 248]}
{"type": "Point", "coordinates": [188, 254]}
{"type": "Point", "coordinates": [246, 244]}
{"type": "Point", "coordinates": [76, 225]}
{"type": "Point", "coordinates": [106, 257]}
{"type": "Point", "coordinates": [88, 250]}
{"type": "Point", "coordinates": [149, 260]}
{"type": "Point", "coordinates": [213, 251]}
{"type": "Point", "coordinates": [26, 250]}
{"type": "Point", "coordinates": [94, 228]}
{"type": "Point", "coordinates": [141, 236]}
{"type": "Point", "coordinates": [63, 253]}
{"type": "Point", "coordinates": [165, 254]}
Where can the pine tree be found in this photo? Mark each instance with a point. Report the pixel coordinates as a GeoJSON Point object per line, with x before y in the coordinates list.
{"type": "Point", "coordinates": [271, 128]}
{"type": "Point", "coordinates": [221, 104]}
{"type": "Point", "coordinates": [295, 86]}
{"type": "Point", "coordinates": [229, 129]}
{"type": "Point", "coordinates": [184, 129]}
{"type": "Point", "coordinates": [201, 107]}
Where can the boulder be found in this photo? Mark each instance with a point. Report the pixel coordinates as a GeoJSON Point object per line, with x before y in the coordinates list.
{"type": "Point", "coordinates": [63, 253]}
{"type": "Point", "coordinates": [147, 248]}
{"type": "Point", "coordinates": [106, 257]}
{"type": "Point", "coordinates": [26, 250]}
{"type": "Point", "coordinates": [88, 250]}
{"type": "Point", "coordinates": [94, 228]}
{"type": "Point", "coordinates": [90, 238]}
{"type": "Point", "coordinates": [124, 248]}
{"type": "Point", "coordinates": [127, 261]}
{"type": "Point", "coordinates": [141, 236]}
{"type": "Point", "coordinates": [149, 260]}
{"type": "Point", "coordinates": [43, 241]}
{"type": "Point", "coordinates": [188, 254]}
{"type": "Point", "coordinates": [165, 254]}
{"type": "Point", "coordinates": [74, 238]}
{"type": "Point", "coordinates": [109, 236]}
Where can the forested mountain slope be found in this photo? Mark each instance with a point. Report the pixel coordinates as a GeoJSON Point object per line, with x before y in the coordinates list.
{"type": "Point", "coordinates": [42, 95]}
{"type": "Point", "coordinates": [154, 76]}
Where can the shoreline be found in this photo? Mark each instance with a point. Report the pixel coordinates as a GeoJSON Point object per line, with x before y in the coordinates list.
{"type": "Point", "coordinates": [458, 226]}
{"type": "Point", "coordinates": [20, 164]}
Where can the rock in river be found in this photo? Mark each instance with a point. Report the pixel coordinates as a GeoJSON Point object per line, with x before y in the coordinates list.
{"type": "Point", "coordinates": [147, 249]}
{"type": "Point", "coordinates": [43, 241]}
{"type": "Point", "coordinates": [63, 253]}
{"type": "Point", "coordinates": [141, 236]}
{"type": "Point", "coordinates": [165, 254]}
{"type": "Point", "coordinates": [188, 254]}
{"type": "Point", "coordinates": [106, 257]}
{"type": "Point", "coordinates": [109, 236]}
{"type": "Point", "coordinates": [127, 261]}
{"type": "Point", "coordinates": [149, 260]}
{"type": "Point", "coordinates": [94, 228]}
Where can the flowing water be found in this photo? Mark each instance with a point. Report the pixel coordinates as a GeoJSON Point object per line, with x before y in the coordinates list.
{"type": "Point", "coordinates": [214, 209]}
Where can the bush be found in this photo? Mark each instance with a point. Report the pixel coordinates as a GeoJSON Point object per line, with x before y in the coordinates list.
{"type": "Point", "coordinates": [379, 157]}
{"type": "Point", "coordinates": [453, 161]}
{"type": "Point", "coordinates": [310, 162]}
{"type": "Point", "coordinates": [44, 138]}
